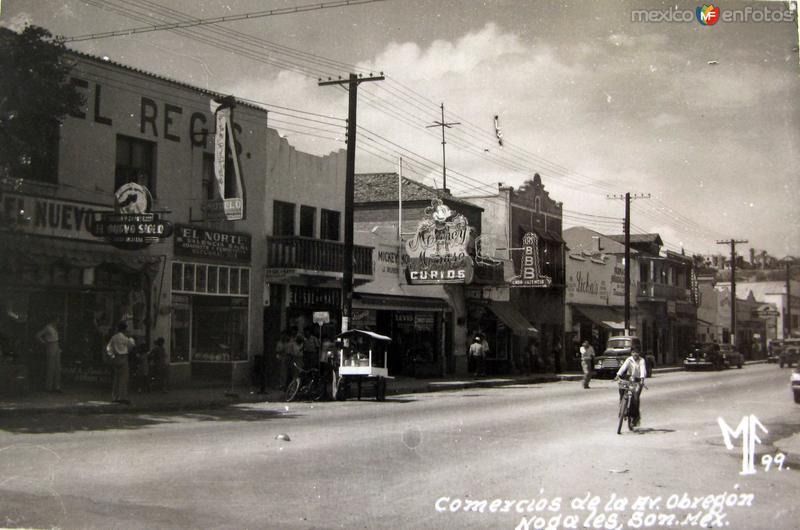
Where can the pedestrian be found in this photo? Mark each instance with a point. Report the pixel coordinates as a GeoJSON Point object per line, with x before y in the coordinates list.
{"type": "Point", "coordinates": [161, 364]}
{"type": "Point", "coordinates": [533, 356]}
{"type": "Point", "coordinates": [476, 354]}
{"type": "Point", "coordinates": [118, 348]}
{"type": "Point", "coordinates": [311, 347]}
{"type": "Point", "coordinates": [48, 336]}
{"type": "Point", "coordinates": [142, 370]}
{"type": "Point", "coordinates": [486, 349]}
{"type": "Point", "coordinates": [587, 362]}
{"type": "Point", "coordinates": [294, 351]}
{"type": "Point", "coordinates": [285, 360]}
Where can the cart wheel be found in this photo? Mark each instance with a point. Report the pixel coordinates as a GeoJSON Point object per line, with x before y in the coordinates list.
{"type": "Point", "coordinates": [380, 389]}
{"type": "Point", "coordinates": [341, 390]}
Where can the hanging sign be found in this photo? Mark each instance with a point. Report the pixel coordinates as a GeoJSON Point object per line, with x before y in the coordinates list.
{"type": "Point", "coordinates": [131, 226]}
{"type": "Point", "coordinates": [437, 253]}
{"type": "Point", "coordinates": [530, 274]}
{"type": "Point", "coordinates": [230, 205]}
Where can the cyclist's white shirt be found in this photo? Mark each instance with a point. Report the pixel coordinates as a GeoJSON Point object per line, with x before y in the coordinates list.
{"type": "Point", "coordinates": [633, 367]}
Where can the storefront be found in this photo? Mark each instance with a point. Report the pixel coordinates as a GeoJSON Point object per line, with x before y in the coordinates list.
{"type": "Point", "coordinates": [420, 327]}
{"type": "Point", "coordinates": [210, 303]}
{"type": "Point", "coordinates": [87, 286]}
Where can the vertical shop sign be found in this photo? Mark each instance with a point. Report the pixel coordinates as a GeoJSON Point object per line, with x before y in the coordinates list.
{"type": "Point", "coordinates": [230, 205]}
{"type": "Point", "coordinates": [530, 270]}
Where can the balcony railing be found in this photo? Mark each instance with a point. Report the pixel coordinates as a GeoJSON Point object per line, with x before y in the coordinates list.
{"type": "Point", "coordinates": [660, 291]}
{"type": "Point", "coordinates": [305, 253]}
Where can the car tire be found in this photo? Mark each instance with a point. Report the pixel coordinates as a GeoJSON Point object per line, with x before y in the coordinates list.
{"type": "Point", "coordinates": [797, 396]}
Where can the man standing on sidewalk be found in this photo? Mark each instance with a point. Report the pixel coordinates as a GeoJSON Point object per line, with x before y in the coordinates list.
{"type": "Point", "coordinates": [587, 362]}
{"type": "Point", "coordinates": [118, 348]}
{"type": "Point", "coordinates": [48, 336]}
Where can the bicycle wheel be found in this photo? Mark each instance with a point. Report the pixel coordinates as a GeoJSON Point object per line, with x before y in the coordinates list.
{"type": "Point", "coordinates": [623, 413]}
{"type": "Point", "coordinates": [316, 390]}
{"type": "Point", "coordinates": [291, 390]}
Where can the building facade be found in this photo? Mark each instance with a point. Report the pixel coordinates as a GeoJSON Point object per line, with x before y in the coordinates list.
{"type": "Point", "coordinates": [204, 288]}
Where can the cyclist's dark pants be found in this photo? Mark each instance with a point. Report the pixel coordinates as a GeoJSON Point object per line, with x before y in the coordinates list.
{"type": "Point", "coordinates": [634, 401]}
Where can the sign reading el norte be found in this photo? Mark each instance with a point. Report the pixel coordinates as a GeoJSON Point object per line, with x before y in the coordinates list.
{"type": "Point", "coordinates": [131, 226]}
{"type": "Point", "coordinates": [437, 253]}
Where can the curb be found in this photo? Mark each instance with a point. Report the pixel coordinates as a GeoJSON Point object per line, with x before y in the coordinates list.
{"type": "Point", "coordinates": [275, 397]}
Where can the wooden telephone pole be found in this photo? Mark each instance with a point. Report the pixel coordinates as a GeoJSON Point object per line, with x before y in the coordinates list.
{"type": "Point", "coordinates": [732, 243]}
{"type": "Point", "coordinates": [627, 229]}
{"type": "Point", "coordinates": [349, 189]}
{"type": "Point", "coordinates": [444, 124]}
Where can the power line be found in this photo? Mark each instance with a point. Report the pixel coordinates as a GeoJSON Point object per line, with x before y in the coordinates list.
{"type": "Point", "coordinates": [218, 20]}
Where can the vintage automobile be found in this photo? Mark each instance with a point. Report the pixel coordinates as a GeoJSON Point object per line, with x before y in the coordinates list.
{"type": "Point", "coordinates": [617, 350]}
{"type": "Point", "coordinates": [704, 355]}
{"type": "Point", "coordinates": [731, 356]}
{"type": "Point", "coordinates": [795, 382]}
{"type": "Point", "coordinates": [790, 353]}
{"type": "Point", "coordinates": [774, 350]}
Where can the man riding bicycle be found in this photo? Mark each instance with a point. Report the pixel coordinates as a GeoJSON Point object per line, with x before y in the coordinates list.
{"type": "Point", "coordinates": [636, 369]}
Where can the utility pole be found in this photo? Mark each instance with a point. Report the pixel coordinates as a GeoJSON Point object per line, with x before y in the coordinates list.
{"type": "Point", "coordinates": [349, 189]}
{"type": "Point", "coordinates": [788, 325]}
{"type": "Point", "coordinates": [626, 226]}
{"type": "Point", "coordinates": [443, 124]}
{"type": "Point", "coordinates": [732, 243]}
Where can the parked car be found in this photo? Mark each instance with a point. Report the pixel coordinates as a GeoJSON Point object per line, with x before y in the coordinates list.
{"type": "Point", "coordinates": [731, 356]}
{"type": "Point", "coordinates": [795, 382]}
{"type": "Point", "coordinates": [704, 355]}
{"type": "Point", "coordinates": [774, 350]}
{"type": "Point", "coordinates": [617, 350]}
{"type": "Point", "coordinates": [790, 354]}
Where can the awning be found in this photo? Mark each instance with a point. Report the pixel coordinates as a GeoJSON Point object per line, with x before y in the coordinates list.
{"type": "Point", "coordinates": [398, 303]}
{"type": "Point", "coordinates": [607, 317]}
{"type": "Point", "coordinates": [512, 318]}
{"type": "Point", "coordinates": [26, 252]}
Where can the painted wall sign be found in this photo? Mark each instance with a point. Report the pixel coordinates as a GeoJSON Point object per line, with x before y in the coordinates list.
{"type": "Point", "coordinates": [530, 274]}
{"type": "Point", "coordinates": [196, 242]}
{"type": "Point", "coordinates": [437, 253]}
{"type": "Point", "coordinates": [132, 226]}
{"type": "Point", "coordinates": [49, 217]}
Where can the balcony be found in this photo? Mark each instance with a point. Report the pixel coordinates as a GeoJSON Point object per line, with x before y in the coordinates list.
{"type": "Point", "coordinates": [652, 292]}
{"type": "Point", "coordinates": [304, 256]}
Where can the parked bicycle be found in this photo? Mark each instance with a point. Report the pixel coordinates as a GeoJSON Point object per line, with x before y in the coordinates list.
{"type": "Point", "coordinates": [631, 388]}
{"type": "Point", "coordinates": [307, 384]}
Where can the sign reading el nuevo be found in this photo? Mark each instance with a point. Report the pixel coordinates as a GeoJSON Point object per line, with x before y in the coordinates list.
{"type": "Point", "coordinates": [530, 274]}
{"type": "Point", "coordinates": [132, 225]}
{"type": "Point", "coordinates": [437, 253]}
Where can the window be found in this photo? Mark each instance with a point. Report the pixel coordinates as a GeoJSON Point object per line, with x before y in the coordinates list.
{"type": "Point", "coordinates": [282, 218]}
{"type": "Point", "coordinates": [537, 204]}
{"type": "Point", "coordinates": [135, 162]}
{"type": "Point", "coordinates": [329, 225]}
{"type": "Point", "coordinates": [307, 216]}
{"type": "Point", "coordinates": [209, 181]}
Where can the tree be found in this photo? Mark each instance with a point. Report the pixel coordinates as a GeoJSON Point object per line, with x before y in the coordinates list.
{"type": "Point", "coordinates": [35, 96]}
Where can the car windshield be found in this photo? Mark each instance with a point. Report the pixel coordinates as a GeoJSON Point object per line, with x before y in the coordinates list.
{"type": "Point", "coordinates": [702, 347]}
{"type": "Point", "coordinates": [618, 344]}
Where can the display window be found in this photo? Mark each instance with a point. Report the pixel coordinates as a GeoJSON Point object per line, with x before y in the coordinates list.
{"type": "Point", "coordinates": [210, 308]}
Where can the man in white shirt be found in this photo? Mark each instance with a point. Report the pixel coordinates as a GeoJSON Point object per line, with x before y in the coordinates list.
{"type": "Point", "coordinates": [636, 369]}
{"type": "Point", "coordinates": [587, 362]}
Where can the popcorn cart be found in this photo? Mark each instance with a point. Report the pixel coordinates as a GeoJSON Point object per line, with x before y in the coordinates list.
{"type": "Point", "coordinates": [362, 358]}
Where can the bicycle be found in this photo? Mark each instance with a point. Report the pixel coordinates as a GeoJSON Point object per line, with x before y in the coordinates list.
{"type": "Point", "coordinates": [630, 387]}
{"type": "Point", "coordinates": [307, 383]}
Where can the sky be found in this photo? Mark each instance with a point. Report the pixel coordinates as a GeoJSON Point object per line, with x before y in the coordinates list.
{"type": "Point", "coordinates": [700, 122]}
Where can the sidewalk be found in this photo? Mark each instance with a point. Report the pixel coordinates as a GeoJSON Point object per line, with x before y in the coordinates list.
{"type": "Point", "coordinates": [79, 398]}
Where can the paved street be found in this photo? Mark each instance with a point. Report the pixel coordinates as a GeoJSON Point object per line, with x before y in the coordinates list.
{"type": "Point", "coordinates": [415, 461]}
